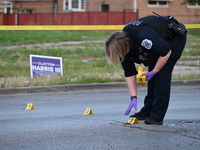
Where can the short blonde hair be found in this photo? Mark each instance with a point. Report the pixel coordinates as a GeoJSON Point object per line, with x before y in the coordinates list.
{"type": "Point", "coordinates": [116, 47]}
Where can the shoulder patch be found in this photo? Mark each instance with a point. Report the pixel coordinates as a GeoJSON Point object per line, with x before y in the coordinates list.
{"type": "Point", "coordinates": [147, 43]}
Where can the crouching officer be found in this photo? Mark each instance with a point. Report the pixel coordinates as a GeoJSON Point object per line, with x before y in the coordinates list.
{"type": "Point", "coordinates": [156, 42]}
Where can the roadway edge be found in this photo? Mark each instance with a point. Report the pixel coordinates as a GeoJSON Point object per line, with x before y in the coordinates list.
{"type": "Point", "coordinates": [79, 87]}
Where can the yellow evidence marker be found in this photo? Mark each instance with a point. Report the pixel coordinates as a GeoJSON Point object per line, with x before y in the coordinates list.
{"type": "Point", "coordinates": [132, 120]}
{"type": "Point", "coordinates": [88, 111]}
{"type": "Point", "coordinates": [30, 106]}
{"type": "Point", "coordinates": [140, 78]}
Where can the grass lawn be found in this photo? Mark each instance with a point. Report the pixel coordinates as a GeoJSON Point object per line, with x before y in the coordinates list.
{"type": "Point", "coordinates": [82, 63]}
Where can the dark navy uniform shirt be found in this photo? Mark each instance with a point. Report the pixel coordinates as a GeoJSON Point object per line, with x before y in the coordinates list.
{"type": "Point", "coordinates": [149, 38]}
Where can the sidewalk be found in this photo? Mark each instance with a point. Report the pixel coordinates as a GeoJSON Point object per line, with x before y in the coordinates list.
{"type": "Point", "coordinates": [187, 67]}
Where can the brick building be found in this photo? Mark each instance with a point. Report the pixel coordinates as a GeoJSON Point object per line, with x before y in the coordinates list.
{"type": "Point", "coordinates": [188, 13]}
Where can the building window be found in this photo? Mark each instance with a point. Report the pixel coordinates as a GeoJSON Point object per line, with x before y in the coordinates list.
{"type": "Point", "coordinates": [105, 8]}
{"type": "Point", "coordinates": [29, 11]}
{"type": "Point", "coordinates": [157, 3]}
{"type": "Point", "coordinates": [7, 6]}
{"type": "Point", "coordinates": [194, 4]}
{"type": "Point", "coordinates": [74, 5]}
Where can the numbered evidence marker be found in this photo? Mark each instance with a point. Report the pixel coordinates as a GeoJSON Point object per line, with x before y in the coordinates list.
{"type": "Point", "coordinates": [88, 111]}
{"type": "Point", "coordinates": [30, 106]}
{"type": "Point", "coordinates": [140, 78]}
{"type": "Point", "coordinates": [132, 120]}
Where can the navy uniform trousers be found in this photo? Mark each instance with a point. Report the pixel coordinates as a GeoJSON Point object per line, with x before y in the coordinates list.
{"type": "Point", "coordinates": [158, 94]}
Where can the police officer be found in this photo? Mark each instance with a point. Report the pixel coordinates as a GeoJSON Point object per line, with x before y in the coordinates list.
{"type": "Point", "coordinates": [151, 42]}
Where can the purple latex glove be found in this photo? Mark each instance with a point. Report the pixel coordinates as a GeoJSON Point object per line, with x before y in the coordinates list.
{"type": "Point", "coordinates": [149, 75]}
{"type": "Point", "coordinates": [133, 103]}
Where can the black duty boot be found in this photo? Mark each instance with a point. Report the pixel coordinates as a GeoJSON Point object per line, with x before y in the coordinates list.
{"type": "Point", "coordinates": [140, 116]}
{"type": "Point", "coordinates": [153, 121]}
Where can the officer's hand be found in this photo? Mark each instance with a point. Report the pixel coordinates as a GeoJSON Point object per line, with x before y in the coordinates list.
{"type": "Point", "coordinates": [149, 75]}
{"type": "Point", "coordinates": [133, 103]}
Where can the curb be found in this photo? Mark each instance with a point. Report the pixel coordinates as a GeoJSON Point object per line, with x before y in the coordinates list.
{"type": "Point", "coordinates": [78, 87]}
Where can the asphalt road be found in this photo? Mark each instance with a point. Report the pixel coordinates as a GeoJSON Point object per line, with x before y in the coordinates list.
{"type": "Point", "coordinates": [57, 122]}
